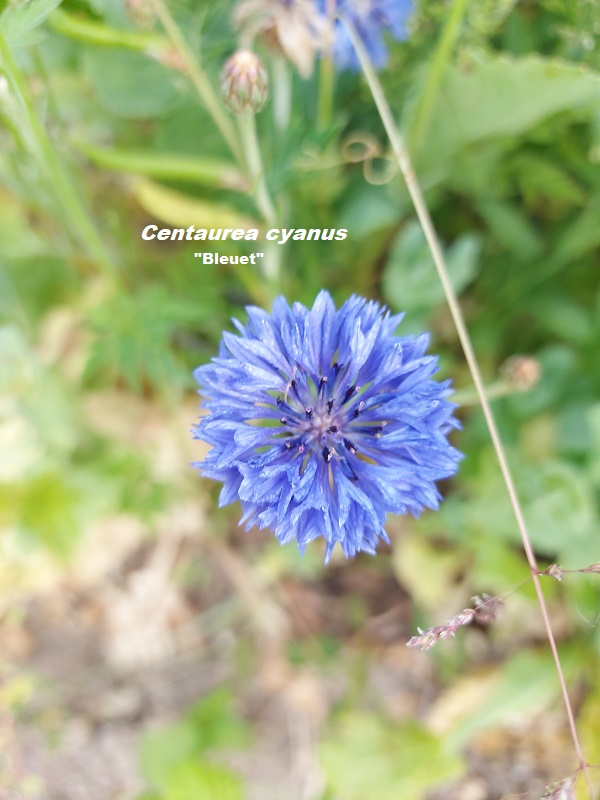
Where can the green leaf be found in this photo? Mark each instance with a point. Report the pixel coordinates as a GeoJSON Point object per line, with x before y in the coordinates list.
{"type": "Point", "coordinates": [410, 279]}
{"type": "Point", "coordinates": [135, 337]}
{"type": "Point", "coordinates": [574, 435]}
{"type": "Point", "coordinates": [567, 320]}
{"type": "Point", "coordinates": [512, 229]}
{"type": "Point", "coordinates": [427, 572]}
{"type": "Point", "coordinates": [365, 757]}
{"type": "Point", "coordinates": [593, 420]}
{"type": "Point", "coordinates": [198, 780]}
{"type": "Point", "coordinates": [49, 511]}
{"type": "Point", "coordinates": [589, 732]}
{"type": "Point", "coordinates": [557, 499]}
{"type": "Point", "coordinates": [17, 238]}
{"type": "Point", "coordinates": [169, 166]}
{"type": "Point", "coordinates": [161, 751]}
{"type": "Point", "coordinates": [491, 96]}
{"type": "Point", "coordinates": [368, 210]}
{"type": "Point", "coordinates": [19, 20]}
{"type": "Point", "coordinates": [129, 84]}
{"type": "Point", "coordinates": [581, 235]}
{"type": "Point", "coordinates": [215, 722]}
{"type": "Point", "coordinates": [181, 210]}
{"type": "Point", "coordinates": [209, 725]}
{"type": "Point", "coordinates": [78, 27]}
{"type": "Point", "coordinates": [540, 180]}
{"type": "Point", "coordinates": [522, 687]}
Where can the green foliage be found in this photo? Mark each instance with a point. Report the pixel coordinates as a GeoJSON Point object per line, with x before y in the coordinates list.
{"type": "Point", "coordinates": [173, 760]}
{"type": "Point", "coordinates": [558, 501]}
{"type": "Point", "coordinates": [365, 756]}
{"type": "Point", "coordinates": [494, 96]}
{"type": "Point", "coordinates": [524, 686]}
{"type": "Point", "coordinates": [102, 132]}
{"type": "Point", "coordinates": [135, 335]}
{"type": "Point", "coordinates": [410, 280]}
{"type": "Point", "coordinates": [129, 84]}
{"type": "Point", "coordinates": [181, 211]}
{"type": "Point", "coordinates": [19, 21]}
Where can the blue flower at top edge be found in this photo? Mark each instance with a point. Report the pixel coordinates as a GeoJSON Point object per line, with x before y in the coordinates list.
{"type": "Point", "coordinates": [372, 20]}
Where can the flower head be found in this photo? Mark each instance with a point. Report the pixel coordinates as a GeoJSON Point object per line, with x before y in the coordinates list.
{"type": "Point", "coordinates": [322, 421]}
{"type": "Point", "coordinates": [293, 28]}
{"type": "Point", "coordinates": [372, 19]}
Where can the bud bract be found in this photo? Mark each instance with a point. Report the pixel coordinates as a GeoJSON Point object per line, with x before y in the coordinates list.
{"type": "Point", "coordinates": [244, 83]}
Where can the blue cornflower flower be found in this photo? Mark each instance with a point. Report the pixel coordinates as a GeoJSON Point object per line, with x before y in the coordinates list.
{"type": "Point", "coordinates": [371, 18]}
{"type": "Point", "coordinates": [321, 422]}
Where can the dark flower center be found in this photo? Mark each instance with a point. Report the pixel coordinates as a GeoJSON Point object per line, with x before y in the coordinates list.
{"type": "Point", "coordinates": [326, 420]}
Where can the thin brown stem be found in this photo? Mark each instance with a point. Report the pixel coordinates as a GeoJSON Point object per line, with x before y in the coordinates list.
{"type": "Point", "coordinates": [422, 211]}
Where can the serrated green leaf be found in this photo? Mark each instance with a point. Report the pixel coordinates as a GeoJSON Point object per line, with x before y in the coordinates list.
{"type": "Point", "coordinates": [18, 21]}
{"type": "Point", "coordinates": [135, 337]}
{"type": "Point", "coordinates": [492, 95]}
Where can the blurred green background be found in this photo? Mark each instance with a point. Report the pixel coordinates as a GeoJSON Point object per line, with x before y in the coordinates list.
{"type": "Point", "coordinates": [149, 648]}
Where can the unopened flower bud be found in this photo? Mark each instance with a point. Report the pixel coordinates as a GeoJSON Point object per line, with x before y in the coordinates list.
{"type": "Point", "coordinates": [244, 83]}
{"type": "Point", "coordinates": [522, 372]}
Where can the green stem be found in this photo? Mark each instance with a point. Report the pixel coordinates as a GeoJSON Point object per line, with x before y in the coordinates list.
{"type": "Point", "coordinates": [326, 83]}
{"type": "Point", "coordinates": [435, 73]}
{"type": "Point", "coordinates": [84, 30]}
{"type": "Point", "coordinates": [327, 73]}
{"type": "Point", "coordinates": [282, 94]}
{"type": "Point", "coordinates": [422, 211]}
{"type": "Point", "coordinates": [199, 79]}
{"type": "Point", "coordinates": [247, 126]}
{"type": "Point", "coordinates": [468, 397]}
{"type": "Point", "coordinates": [64, 189]}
